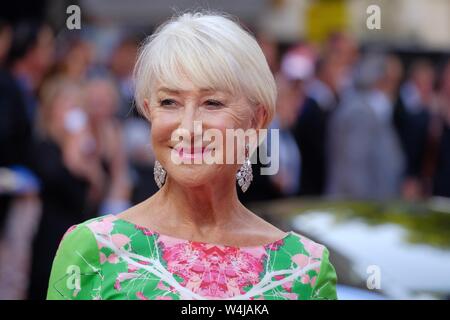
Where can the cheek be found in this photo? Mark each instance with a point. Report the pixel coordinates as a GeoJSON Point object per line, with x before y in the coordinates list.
{"type": "Point", "coordinates": [162, 126]}
{"type": "Point", "coordinates": [221, 121]}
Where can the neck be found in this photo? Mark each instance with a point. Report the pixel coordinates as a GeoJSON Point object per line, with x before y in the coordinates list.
{"type": "Point", "coordinates": [205, 207]}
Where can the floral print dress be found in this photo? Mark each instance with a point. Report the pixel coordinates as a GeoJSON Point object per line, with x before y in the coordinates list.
{"type": "Point", "coordinates": [112, 258]}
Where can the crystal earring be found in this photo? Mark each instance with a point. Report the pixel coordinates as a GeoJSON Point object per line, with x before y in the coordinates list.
{"type": "Point", "coordinates": [160, 174]}
{"type": "Point", "coordinates": [245, 176]}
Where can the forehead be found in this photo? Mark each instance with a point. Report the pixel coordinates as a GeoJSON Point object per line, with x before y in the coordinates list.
{"type": "Point", "coordinates": [188, 87]}
{"type": "Point", "coordinates": [193, 70]}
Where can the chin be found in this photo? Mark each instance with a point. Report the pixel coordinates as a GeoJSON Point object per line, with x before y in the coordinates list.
{"type": "Point", "coordinates": [193, 175]}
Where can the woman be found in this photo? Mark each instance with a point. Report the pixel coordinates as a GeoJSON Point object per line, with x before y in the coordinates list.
{"type": "Point", "coordinates": [101, 103]}
{"type": "Point", "coordinates": [193, 239]}
{"type": "Point", "coordinates": [69, 176]}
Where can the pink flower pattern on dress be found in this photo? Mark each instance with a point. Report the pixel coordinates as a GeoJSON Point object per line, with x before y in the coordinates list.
{"type": "Point", "coordinates": [213, 271]}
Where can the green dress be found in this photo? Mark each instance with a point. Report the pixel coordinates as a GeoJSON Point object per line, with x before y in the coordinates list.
{"type": "Point", "coordinates": [111, 258]}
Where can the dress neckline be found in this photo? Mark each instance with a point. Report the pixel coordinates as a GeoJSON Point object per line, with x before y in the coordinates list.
{"type": "Point", "coordinates": [151, 231]}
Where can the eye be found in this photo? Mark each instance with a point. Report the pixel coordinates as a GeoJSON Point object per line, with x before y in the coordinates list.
{"type": "Point", "coordinates": [214, 103]}
{"type": "Point", "coordinates": [167, 102]}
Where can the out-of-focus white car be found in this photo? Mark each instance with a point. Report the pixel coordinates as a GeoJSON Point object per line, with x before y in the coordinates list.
{"type": "Point", "coordinates": [380, 250]}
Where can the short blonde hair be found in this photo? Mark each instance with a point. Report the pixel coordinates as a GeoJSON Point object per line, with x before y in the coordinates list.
{"type": "Point", "coordinates": [212, 51]}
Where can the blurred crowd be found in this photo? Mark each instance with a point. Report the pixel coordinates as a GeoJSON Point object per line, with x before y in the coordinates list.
{"type": "Point", "coordinates": [72, 147]}
{"type": "Point", "coordinates": [359, 124]}
{"type": "Point", "coordinates": [353, 125]}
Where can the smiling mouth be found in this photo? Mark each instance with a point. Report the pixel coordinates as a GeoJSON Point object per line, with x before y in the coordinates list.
{"type": "Point", "coordinates": [191, 153]}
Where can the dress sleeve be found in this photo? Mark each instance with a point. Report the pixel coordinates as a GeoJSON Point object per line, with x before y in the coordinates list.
{"type": "Point", "coordinates": [325, 285]}
{"type": "Point", "coordinates": [76, 269]}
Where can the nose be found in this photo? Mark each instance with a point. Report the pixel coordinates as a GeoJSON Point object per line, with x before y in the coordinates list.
{"type": "Point", "coordinates": [188, 117]}
{"type": "Point", "coordinates": [191, 124]}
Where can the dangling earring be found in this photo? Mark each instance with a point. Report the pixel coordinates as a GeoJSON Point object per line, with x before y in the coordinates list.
{"type": "Point", "coordinates": [245, 176]}
{"type": "Point", "coordinates": [160, 174]}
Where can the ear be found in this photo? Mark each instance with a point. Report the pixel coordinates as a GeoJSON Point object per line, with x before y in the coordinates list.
{"type": "Point", "coordinates": [147, 109]}
{"type": "Point", "coordinates": [258, 122]}
{"type": "Point", "coordinates": [260, 118]}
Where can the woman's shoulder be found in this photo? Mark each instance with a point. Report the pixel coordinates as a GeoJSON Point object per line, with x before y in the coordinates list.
{"type": "Point", "coordinates": [80, 236]}
{"type": "Point", "coordinates": [82, 227]}
{"type": "Point", "coordinates": [108, 231]}
{"type": "Point", "coordinates": [83, 236]}
{"type": "Point", "coordinates": [102, 225]}
{"type": "Point", "coordinates": [297, 243]}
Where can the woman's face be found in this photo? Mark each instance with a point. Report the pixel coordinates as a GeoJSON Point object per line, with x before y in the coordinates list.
{"type": "Point", "coordinates": [190, 114]}
{"type": "Point", "coordinates": [101, 100]}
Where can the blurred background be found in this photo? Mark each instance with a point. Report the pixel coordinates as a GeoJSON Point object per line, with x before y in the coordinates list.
{"type": "Point", "coordinates": [363, 112]}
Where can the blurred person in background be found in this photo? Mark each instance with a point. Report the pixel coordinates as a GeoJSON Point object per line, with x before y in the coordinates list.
{"type": "Point", "coordinates": [121, 64]}
{"type": "Point", "coordinates": [297, 67]}
{"type": "Point", "coordinates": [5, 109]}
{"type": "Point", "coordinates": [136, 129]}
{"type": "Point", "coordinates": [269, 46]}
{"type": "Point", "coordinates": [29, 55]}
{"type": "Point", "coordinates": [365, 157]}
{"type": "Point", "coordinates": [19, 202]}
{"type": "Point", "coordinates": [71, 176]}
{"type": "Point", "coordinates": [29, 59]}
{"type": "Point", "coordinates": [141, 158]}
{"type": "Point", "coordinates": [441, 169]}
{"type": "Point", "coordinates": [393, 75]}
{"type": "Point", "coordinates": [311, 126]}
{"type": "Point", "coordinates": [345, 50]}
{"type": "Point", "coordinates": [101, 105]}
{"type": "Point", "coordinates": [265, 187]}
{"type": "Point", "coordinates": [75, 57]}
{"type": "Point", "coordinates": [5, 40]}
{"type": "Point", "coordinates": [412, 121]}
